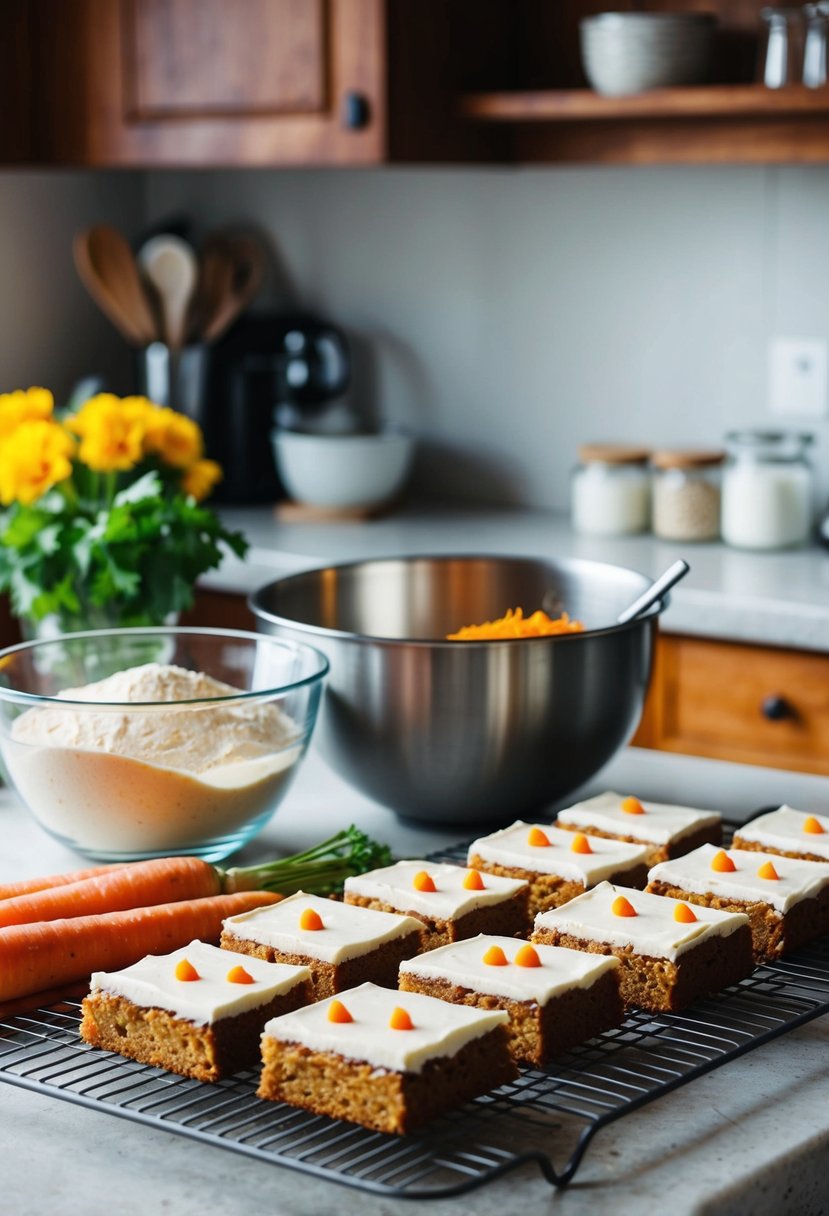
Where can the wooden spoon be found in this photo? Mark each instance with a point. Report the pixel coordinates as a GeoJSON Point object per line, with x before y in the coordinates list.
{"type": "Point", "coordinates": [107, 269]}
{"type": "Point", "coordinates": [169, 264]}
{"type": "Point", "coordinates": [247, 262]}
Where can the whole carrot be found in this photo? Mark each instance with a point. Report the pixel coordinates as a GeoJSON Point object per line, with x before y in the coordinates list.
{"type": "Point", "coordinates": [9, 890]}
{"type": "Point", "coordinates": [161, 881]}
{"type": "Point", "coordinates": [49, 954]}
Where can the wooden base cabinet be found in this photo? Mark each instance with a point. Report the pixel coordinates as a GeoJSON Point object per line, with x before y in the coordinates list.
{"type": "Point", "coordinates": [749, 704]}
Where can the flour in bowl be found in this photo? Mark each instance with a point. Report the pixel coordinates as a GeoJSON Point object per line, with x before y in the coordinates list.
{"type": "Point", "coordinates": [151, 778]}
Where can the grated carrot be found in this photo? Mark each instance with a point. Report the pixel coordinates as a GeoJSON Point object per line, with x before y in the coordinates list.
{"type": "Point", "coordinates": [513, 624]}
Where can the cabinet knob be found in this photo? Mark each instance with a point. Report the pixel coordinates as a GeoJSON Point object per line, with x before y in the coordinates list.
{"type": "Point", "coordinates": [775, 708]}
{"type": "Point", "coordinates": [356, 111]}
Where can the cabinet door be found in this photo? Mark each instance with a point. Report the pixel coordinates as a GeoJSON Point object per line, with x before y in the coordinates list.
{"type": "Point", "coordinates": [178, 82]}
{"type": "Point", "coordinates": [749, 704]}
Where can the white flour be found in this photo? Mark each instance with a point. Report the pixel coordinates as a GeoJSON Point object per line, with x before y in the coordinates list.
{"type": "Point", "coordinates": [193, 739]}
{"type": "Point", "coordinates": [115, 781]}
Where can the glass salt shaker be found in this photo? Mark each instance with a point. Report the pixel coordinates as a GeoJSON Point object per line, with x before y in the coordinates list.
{"type": "Point", "coordinates": [782, 62]}
{"type": "Point", "coordinates": [814, 52]}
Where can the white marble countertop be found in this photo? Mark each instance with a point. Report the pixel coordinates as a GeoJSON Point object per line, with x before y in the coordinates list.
{"type": "Point", "coordinates": [776, 598]}
{"type": "Point", "coordinates": [751, 1137]}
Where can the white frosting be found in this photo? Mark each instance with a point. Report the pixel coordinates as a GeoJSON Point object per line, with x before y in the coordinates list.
{"type": "Point", "coordinates": [783, 829]}
{"type": "Point", "coordinates": [348, 931]}
{"type": "Point", "coordinates": [510, 847]}
{"type": "Point", "coordinates": [462, 963]}
{"type": "Point", "coordinates": [653, 931]}
{"type": "Point", "coordinates": [439, 1029]}
{"type": "Point", "coordinates": [393, 885]}
{"type": "Point", "coordinates": [152, 983]}
{"type": "Point", "coordinates": [796, 880]}
{"type": "Point", "coordinates": [660, 824]}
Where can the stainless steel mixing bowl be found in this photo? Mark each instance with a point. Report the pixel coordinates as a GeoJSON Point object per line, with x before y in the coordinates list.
{"type": "Point", "coordinates": [468, 732]}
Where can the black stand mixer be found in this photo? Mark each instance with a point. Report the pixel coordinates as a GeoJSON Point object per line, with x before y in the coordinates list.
{"type": "Point", "coordinates": [269, 369]}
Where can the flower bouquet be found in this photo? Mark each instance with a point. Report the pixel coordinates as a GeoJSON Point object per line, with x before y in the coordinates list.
{"type": "Point", "coordinates": [101, 515]}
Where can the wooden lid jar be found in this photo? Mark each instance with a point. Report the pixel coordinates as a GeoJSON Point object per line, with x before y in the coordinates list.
{"type": "Point", "coordinates": [686, 494]}
{"type": "Point", "coordinates": [610, 490]}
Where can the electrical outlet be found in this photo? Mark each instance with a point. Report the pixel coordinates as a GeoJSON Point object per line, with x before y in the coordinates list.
{"type": "Point", "coordinates": [799, 377]}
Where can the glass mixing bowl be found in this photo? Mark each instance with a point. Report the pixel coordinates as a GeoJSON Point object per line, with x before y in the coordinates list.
{"type": "Point", "coordinates": [135, 743]}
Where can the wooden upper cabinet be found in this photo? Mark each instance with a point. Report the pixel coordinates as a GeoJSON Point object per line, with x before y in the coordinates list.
{"type": "Point", "coordinates": [263, 82]}
{"type": "Point", "coordinates": [186, 58]}
{"type": "Point", "coordinates": [366, 82]}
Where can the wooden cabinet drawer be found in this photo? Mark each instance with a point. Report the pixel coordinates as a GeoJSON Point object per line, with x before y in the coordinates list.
{"type": "Point", "coordinates": [750, 704]}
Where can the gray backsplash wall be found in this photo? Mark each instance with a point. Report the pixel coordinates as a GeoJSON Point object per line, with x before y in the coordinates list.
{"type": "Point", "coordinates": [505, 315]}
{"type": "Point", "coordinates": [51, 333]}
{"type": "Point", "coordinates": [508, 315]}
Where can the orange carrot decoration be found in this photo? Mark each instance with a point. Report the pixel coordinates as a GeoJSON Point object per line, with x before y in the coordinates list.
{"type": "Point", "coordinates": [632, 806]}
{"type": "Point", "coordinates": [37, 957]}
{"type": "Point", "coordinates": [811, 824]}
{"type": "Point", "coordinates": [722, 863]}
{"type": "Point", "coordinates": [622, 907]}
{"type": "Point", "coordinates": [767, 870]}
{"type": "Point", "coordinates": [495, 957]}
{"type": "Point", "coordinates": [580, 844]}
{"type": "Point", "coordinates": [186, 972]}
{"type": "Point", "coordinates": [538, 839]}
{"type": "Point", "coordinates": [310, 919]}
{"type": "Point", "coordinates": [684, 914]}
{"type": "Point", "coordinates": [337, 1012]}
{"type": "Point", "coordinates": [423, 882]}
{"type": "Point", "coordinates": [238, 975]}
{"type": "Point", "coordinates": [527, 957]}
{"type": "Point", "coordinates": [473, 881]}
{"type": "Point", "coordinates": [400, 1019]}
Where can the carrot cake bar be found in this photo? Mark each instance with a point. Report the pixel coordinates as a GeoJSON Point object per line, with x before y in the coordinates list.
{"type": "Point", "coordinates": [198, 1011]}
{"type": "Point", "coordinates": [342, 945]}
{"type": "Point", "coordinates": [788, 832]}
{"type": "Point", "coordinates": [666, 830]}
{"type": "Point", "coordinates": [388, 1060]}
{"type": "Point", "coordinates": [671, 953]}
{"type": "Point", "coordinates": [786, 900]}
{"type": "Point", "coordinates": [451, 902]}
{"type": "Point", "coordinates": [555, 998]}
{"type": "Point", "coordinates": [558, 865]}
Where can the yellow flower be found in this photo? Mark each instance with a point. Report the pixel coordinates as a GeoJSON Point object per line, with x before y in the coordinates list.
{"type": "Point", "coordinates": [23, 406]}
{"type": "Point", "coordinates": [34, 458]}
{"type": "Point", "coordinates": [200, 478]}
{"type": "Point", "coordinates": [111, 431]}
{"type": "Point", "coordinates": [174, 438]}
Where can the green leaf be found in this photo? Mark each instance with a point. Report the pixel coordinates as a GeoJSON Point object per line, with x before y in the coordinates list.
{"type": "Point", "coordinates": [148, 486]}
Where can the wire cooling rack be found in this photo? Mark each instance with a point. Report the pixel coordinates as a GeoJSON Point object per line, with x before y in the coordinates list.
{"type": "Point", "coordinates": [547, 1117]}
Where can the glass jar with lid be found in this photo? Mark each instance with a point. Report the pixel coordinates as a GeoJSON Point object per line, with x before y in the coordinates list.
{"type": "Point", "coordinates": [686, 494]}
{"type": "Point", "coordinates": [768, 493]}
{"type": "Point", "coordinates": [610, 490]}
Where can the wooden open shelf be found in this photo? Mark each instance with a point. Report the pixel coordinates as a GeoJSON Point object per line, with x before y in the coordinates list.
{"type": "Point", "coordinates": [733, 123]}
{"type": "Point", "coordinates": [709, 101]}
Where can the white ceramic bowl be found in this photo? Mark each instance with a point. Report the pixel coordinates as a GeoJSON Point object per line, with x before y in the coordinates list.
{"type": "Point", "coordinates": [354, 470]}
{"type": "Point", "coordinates": [625, 53]}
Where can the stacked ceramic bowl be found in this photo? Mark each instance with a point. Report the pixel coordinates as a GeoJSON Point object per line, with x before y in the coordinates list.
{"type": "Point", "coordinates": [625, 53]}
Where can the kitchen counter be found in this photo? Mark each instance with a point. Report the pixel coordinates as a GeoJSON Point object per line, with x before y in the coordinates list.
{"type": "Point", "coordinates": [753, 1136]}
{"type": "Point", "coordinates": [772, 599]}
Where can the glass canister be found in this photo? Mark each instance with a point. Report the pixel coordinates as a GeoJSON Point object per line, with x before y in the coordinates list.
{"type": "Point", "coordinates": [686, 494]}
{"type": "Point", "coordinates": [610, 490]}
{"type": "Point", "coordinates": [768, 493]}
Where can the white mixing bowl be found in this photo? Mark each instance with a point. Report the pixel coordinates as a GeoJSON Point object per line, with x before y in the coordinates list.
{"type": "Point", "coordinates": [352, 470]}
